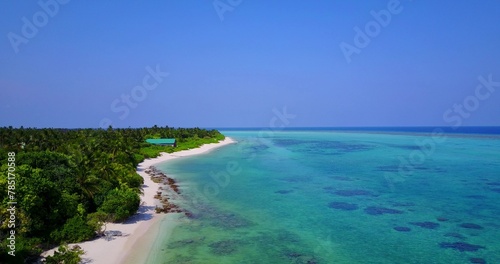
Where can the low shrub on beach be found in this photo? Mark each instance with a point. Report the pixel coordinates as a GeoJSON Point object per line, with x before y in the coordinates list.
{"type": "Point", "coordinates": [120, 203]}
{"type": "Point", "coordinates": [65, 255]}
{"type": "Point", "coordinates": [75, 230]}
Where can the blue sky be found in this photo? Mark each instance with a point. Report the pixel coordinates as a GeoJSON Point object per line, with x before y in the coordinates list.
{"type": "Point", "coordinates": [420, 68]}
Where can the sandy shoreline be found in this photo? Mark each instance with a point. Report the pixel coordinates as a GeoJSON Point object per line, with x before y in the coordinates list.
{"type": "Point", "coordinates": [134, 229]}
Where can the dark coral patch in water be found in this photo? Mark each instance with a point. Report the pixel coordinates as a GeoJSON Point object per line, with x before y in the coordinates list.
{"type": "Point", "coordinates": [442, 219]}
{"type": "Point", "coordinates": [402, 229]}
{"type": "Point", "coordinates": [224, 247]}
{"type": "Point", "coordinates": [293, 254]}
{"type": "Point", "coordinates": [284, 191]}
{"type": "Point", "coordinates": [408, 147]}
{"type": "Point", "coordinates": [342, 178]}
{"type": "Point", "coordinates": [297, 257]}
{"type": "Point", "coordinates": [493, 183]}
{"type": "Point", "coordinates": [227, 221]}
{"type": "Point", "coordinates": [342, 147]}
{"type": "Point", "coordinates": [477, 261]}
{"type": "Point", "coordinates": [343, 206]}
{"type": "Point", "coordinates": [471, 226]}
{"type": "Point", "coordinates": [427, 225]}
{"type": "Point", "coordinates": [296, 179]}
{"type": "Point", "coordinates": [388, 168]}
{"type": "Point", "coordinates": [185, 242]}
{"type": "Point", "coordinates": [286, 237]}
{"type": "Point", "coordinates": [497, 190]}
{"type": "Point", "coordinates": [474, 196]}
{"type": "Point", "coordinates": [461, 246]}
{"type": "Point", "coordinates": [403, 204]}
{"type": "Point", "coordinates": [353, 193]}
{"type": "Point", "coordinates": [374, 210]}
{"type": "Point", "coordinates": [455, 235]}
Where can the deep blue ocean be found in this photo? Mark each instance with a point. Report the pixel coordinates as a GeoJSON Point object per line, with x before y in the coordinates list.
{"type": "Point", "coordinates": [351, 195]}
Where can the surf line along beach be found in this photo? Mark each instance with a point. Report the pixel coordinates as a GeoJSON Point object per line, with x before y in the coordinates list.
{"type": "Point", "coordinates": [115, 250]}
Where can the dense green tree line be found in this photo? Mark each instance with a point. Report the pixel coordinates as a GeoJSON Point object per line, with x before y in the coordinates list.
{"type": "Point", "coordinates": [69, 181]}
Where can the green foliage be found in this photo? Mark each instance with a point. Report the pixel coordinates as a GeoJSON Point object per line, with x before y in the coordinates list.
{"type": "Point", "coordinates": [153, 151]}
{"type": "Point", "coordinates": [75, 230]}
{"type": "Point", "coordinates": [97, 221]}
{"type": "Point", "coordinates": [64, 255]}
{"type": "Point", "coordinates": [26, 251]}
{"type": "Point", "coordinates": [134, 180]}
{"type": "Point", "coordinates": [41, 200]}
{"type": "Point", "coordinates": [121, 203]}
{"type": "Point", "coordinates": [69, 182]}
{"type": "Point", "coordinates": [138, 158]}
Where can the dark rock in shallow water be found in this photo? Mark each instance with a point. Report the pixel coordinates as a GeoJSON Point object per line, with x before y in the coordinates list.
{"type": "Point", "coordinates": [374, 210]}
{"type": "Point", "coordinates": [477, 260]}
{"type": "Point", "coordinates": [190, 215]}
{"type": "Point", "coordinates": [343, 206]}
{"type": "Point", "coordinates": [470, 226]}
{"type": "Point", "coordinates": [455, 235]}
{"type": "Point", "coordinates": [353, 193]}
{"type": "Point", "coordinates": [402, 229]}
{"type": "Point", "coordinates": [428, 225]}
{"type": "Point", "coordinates": [461, 246]}
{"type": "Point", "coordinates": [284, 191]}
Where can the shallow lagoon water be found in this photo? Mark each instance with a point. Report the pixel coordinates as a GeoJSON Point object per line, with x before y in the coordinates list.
{"type": "Point", "coordinates": [338, 197]}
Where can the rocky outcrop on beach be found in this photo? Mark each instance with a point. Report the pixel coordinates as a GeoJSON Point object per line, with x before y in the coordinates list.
{"type": "Point", "coordinates": [158, 176]}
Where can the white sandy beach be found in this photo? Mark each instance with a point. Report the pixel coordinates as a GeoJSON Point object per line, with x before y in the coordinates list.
{"type": "Point", "coordinates": [115, 251]}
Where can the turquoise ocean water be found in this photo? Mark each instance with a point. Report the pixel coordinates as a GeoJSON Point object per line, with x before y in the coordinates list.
{"type": "Point", "coordinates": [319, 196]}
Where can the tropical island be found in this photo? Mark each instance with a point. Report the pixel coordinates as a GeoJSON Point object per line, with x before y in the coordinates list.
{"type": "Point", "coordinates": [66, 184]}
